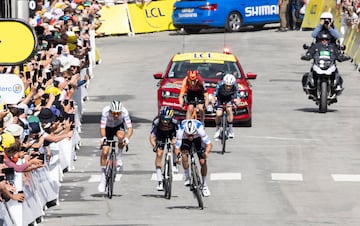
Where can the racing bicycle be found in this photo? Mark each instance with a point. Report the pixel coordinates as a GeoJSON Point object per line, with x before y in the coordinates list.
{"type": "Point", "coordinates": [224, 134]}
{"type": "Point", "coordinates": [110, 170]}
{"type": "Point", "coordinates": [195, 181]}
{"type": "Point", "coordinates": [167, 169]}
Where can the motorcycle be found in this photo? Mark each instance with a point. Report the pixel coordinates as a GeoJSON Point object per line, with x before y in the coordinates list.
{"type": "Point", "coordinates": [323, 83]}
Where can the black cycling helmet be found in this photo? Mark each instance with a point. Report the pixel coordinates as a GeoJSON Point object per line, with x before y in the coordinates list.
{"type": "Point", "coordinates": [324, 36]}
{"type": "Point", "coordinates": [166, 112]}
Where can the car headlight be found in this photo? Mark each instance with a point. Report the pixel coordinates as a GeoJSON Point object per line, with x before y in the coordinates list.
{"type": "Point", "coordinates": [243, 94]}
{"type": "Point", "coordinates": [168, 94]}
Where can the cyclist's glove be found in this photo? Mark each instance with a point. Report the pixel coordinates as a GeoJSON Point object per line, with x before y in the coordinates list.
{"type": "Point", "coordinates": [126, 140]}
{"type": "Point", "coordinates": [103, 140]}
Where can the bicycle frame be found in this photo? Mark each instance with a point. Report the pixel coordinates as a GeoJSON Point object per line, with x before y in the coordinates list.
{"type": "Point", "coordinates": [167, 170]}
{"type": "Point", "coordinates": [195, 181]}
{"type": "Point", "coordinates": [110, 172]}
{"type": "Point", "coordinates": [224, 127]}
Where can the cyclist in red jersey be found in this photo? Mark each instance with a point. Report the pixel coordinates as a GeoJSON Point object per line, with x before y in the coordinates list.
{"type": "Point", "coordinates": [196, 94]}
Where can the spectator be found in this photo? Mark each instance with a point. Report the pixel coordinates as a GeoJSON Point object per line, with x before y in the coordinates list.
{"type": "Point", "coordinates": [283, 4]}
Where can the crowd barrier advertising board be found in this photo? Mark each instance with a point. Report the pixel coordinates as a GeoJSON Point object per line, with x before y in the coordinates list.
{"type": "Point", "coordinates": [352, 43]}
{"type": "Point", "coordinates": [152, 17]}
{"type": "Point", "coordinates": [114, 20]}
{"type": "Point", "coordinates": [315, 8]}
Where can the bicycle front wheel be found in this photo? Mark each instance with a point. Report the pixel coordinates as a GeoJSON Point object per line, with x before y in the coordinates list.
{"type": "Point", "coordinates": [196, 183]}
{"type": "Point", "coordinates": [223, 134]}
{"type": "Point", "coordinates": [110, 174]}
{"type": "Point", "coordinates": [168, 178]}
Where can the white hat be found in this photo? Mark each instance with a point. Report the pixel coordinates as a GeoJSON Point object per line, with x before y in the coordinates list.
{"type": "Point", "coordinates": [60, 79]}
{"type": "Point", "coordinates": [14, 129]}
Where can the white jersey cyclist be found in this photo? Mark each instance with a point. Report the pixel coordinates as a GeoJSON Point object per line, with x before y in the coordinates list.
{"type": "Point", "coordinates": [115, 122]}
{"type": "Point", "coordinates": [109, 120]}
{"type": "Point", "coordinates": [192, 132]}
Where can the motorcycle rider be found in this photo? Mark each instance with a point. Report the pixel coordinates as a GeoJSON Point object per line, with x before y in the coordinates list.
{"type": "Point", "coordinates": [324, 44]}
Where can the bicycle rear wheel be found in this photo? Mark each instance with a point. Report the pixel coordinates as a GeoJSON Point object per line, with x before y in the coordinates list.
{"type": "Point", "coordinates": [167, 177]}
{"type": "Point", "coordinates": [110, 174]}
{"type": "Point", "coordinates": [196, 183]}
{"type": "Point", "coordinates": [223, 134]}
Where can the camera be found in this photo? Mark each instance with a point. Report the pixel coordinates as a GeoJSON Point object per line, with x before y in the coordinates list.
{"type": "Point", "coordinates": [327, 22]}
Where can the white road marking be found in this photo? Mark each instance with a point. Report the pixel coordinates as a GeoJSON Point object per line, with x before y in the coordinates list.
{"type": "Point", "coordinates": [96, 178]}
{"type": "Point", "coordinates": [225, 176]}
{"type": "Point", "coordinates": [287, 176]}
{"type": "Point", "coordinates": [346, 177]}
{"type": "Point", "coordinates": [176, 177]}
{"type": "Point", "coordinates": [281, 138]}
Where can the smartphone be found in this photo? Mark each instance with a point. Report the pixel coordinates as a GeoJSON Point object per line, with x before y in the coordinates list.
{"type": "Point", "coordinates": [21, 67]}
{"type": "Point", "coordinates": [2, 178]}
{"type": "Point", "coordinates": [85, 43]}
{"type": "Point", "coordinates": [66, 102]}
{"type": "Point", "coordinates": [34, 79]}
{"type": "Point", "coordinates": [1, 159]}
{"type": "Point", "coordinates": [48, 75]}
{"type": "Point", "coordinates": [59, 50]}
{"type": "Point", "coordinates": [9, 173]}
{"type": "Point", "coordinates": [20, 192]}
{"type": "Point", "coordinates": [27, 75]}
{"type": "Point", "coordinates": [72, 103]}
{"type": "Point", "coordinates": [40, 71]}
{"type": "Point", "coordinates": [42, 157]}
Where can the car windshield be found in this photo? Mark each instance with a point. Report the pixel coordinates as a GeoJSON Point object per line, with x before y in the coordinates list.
{"type": "Point", "coordinates": [207, 70]}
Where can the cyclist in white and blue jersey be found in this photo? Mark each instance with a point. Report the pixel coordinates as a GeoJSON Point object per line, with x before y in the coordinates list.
{"type": "Point", "coordinates": [192, 132]}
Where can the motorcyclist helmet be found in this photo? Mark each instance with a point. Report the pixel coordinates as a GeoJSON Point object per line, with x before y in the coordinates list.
{"type": "Point", "coordinates": [192, 74]}
{"type": "Point", "coordinates": [166, 113]}
{"type": "Point", "coordinates": [190, 127]}
{"type": "Point", "coordinates": [229, 79]}
{"type": "Point", "coordinates": [324, 36]}
{"type": "Point", "coordinates": [327, 15]}
{"type": "Point", "coordinates": [116, 106]}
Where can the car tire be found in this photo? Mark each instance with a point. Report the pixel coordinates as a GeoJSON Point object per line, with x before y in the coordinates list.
{"type": "Point", "coordinates": [233, 22]}
{"type": "Point", "coordinates": [192, 30]}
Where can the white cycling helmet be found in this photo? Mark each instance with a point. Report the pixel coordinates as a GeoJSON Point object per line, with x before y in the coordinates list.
{"type": "Point", "coordinates": [326, 15]}
{"type": "Point", "coordinates": [190, 127]}
{"type": "Point", "coordinates": [116, 106]}
{"type": "Point", "coordinates": [229, 79]}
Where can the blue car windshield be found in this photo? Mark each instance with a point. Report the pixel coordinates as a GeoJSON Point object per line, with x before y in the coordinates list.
{"type": "Point", "coordinates": [207, 70]}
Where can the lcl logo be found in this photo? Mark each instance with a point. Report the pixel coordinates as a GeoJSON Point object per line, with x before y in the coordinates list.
{"type": "Point", "coordinates": [153, 12]}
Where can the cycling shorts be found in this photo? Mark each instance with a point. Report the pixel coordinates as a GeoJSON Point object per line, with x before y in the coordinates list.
{"type": "Point", "coordinates": [186, 145]}
{"type": "Point", "coordinates": [111, 131]}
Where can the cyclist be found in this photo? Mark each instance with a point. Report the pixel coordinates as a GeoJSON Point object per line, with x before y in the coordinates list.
{"type": "Point", "coordinates": [226, 92]}
{"type": "Point", "coordinates": [196, 94]}
{"type": "Point", "coordinates": [191, 131]}
{"type": "Point", "coordinates": [164, 126]}
{"type": "Point", "coordinates": [115, 121]}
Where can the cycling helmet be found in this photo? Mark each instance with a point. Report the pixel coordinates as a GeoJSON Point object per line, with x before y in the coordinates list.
{"type": "Point", "coordinates": [116, 106]}
{"type": "Point", "coordinates": [166, 112]}
{"type": "Point", "coordinates": [229, 79]}
{"type": "Point", "coordinates": [190, 127]}
{"type": "Point", "coordinates": [326, 15]}
{"type": "Point", "coordinates": [192, 75]}
{"type": "Point", "coordinates": [324, 36]}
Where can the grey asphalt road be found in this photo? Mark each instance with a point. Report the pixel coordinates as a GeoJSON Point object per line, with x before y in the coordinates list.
{"type": "Point", "coordinates": [293, 167]}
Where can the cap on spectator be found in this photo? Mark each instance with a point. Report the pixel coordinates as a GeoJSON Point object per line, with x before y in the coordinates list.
{"type": "Point", "coordinates": [76, 29]}
{"type": "Point", "coordinates": [33, 118]}
{"type": "Point", "coordinates": [87, 4]}
{"type": "Point", "coordinates": [8, 119]}
{"type": "Point", "coordinates": [6, 140]}
{"type": "Point", "coordinates": [75, 62]}
{"type": "Point", "coordinates": [46, 116]}
{"type": "Point", "coordinates": [34, 127]}
{"type": "Point", "coordinates": [60, 79]}
{"type": "Point", "coordinates": [52, 89]}
{"type": "Point", "coordinates": [55, 111]}
{"type": "Point", "coordinates": [25, 107]}
{"type": "Point", "coordinates": [14, 129]}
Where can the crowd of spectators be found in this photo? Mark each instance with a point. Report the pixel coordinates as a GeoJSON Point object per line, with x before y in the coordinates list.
{"type": "Point", "coordinates": [55, 80]}
{"type": "Point", "coordinates": [351, 12]}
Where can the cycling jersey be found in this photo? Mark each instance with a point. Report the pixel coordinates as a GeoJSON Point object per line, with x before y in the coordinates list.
{"type": "Point", "coordinates": [224, 96]}
{"type": "Point", "coordinates": [109, 120]}
{"type": "Point", "coordinates": [162, 131]}
{"type": "Point", "coordinates": [200, 133]}
{"type": "Point", "coordinates": [194, 93]}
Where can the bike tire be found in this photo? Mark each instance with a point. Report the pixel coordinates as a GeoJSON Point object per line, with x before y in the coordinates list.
{"type": "Point", "coordinates": [196, 183]}
{"type": "Point", "coordinates": [168, 178]}
{"type": "Point", "coordinates": [323, 97]}
{"type": "Point", "coordinates": [224, 135]}
{"type": "Point", "coordinates": [110, 176]}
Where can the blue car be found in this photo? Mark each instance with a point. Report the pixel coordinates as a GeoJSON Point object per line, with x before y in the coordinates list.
{"type": "Point", "coordinates": [193, 16]}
